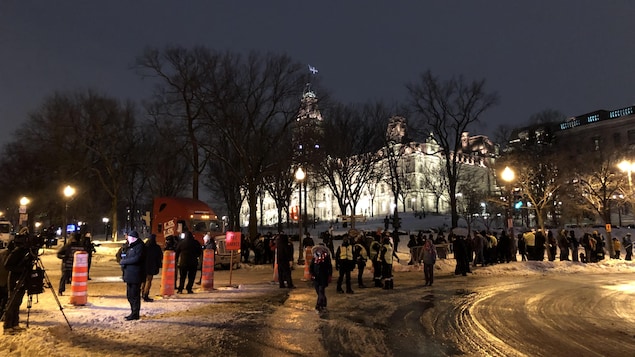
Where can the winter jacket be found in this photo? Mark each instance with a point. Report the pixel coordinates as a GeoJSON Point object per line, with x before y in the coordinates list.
{"type": "Point", "coordinates": [284, 252]}
{"type": "Point", "coordinates": [321, 267]}
{"type": "Point", "coordinates": [133, 263]}
{"type": "Point", "coordinates": [154, 257]}
{"type": "Point", "coordinates": [67, 254]}
{"type": "Point", "coordinates": [188, 251]}
{"type": "Point", "coordinates": [429, 253]}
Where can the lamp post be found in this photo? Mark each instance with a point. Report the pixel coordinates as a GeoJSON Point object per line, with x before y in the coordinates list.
{"type": "Point", "coordinates": [105, 220]}
{"type": "Point", "coordinates": [69, 192]}
{"type": "Point", "coordinates": [299, 176]}
{"type": "Point", "coordinates": [508, 176]}
{"type": "Point", "coordinates": [24, 216]}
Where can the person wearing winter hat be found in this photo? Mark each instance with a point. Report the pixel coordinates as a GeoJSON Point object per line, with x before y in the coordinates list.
{"type": "Point", "coordinates": [133, 265]}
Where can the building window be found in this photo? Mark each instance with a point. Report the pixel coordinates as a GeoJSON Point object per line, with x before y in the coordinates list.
{"type": "Point", "coordinates": [617, 142]}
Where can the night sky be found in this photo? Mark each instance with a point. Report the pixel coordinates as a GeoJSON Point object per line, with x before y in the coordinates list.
{"type": "Point", "coordinates": [572, 56]}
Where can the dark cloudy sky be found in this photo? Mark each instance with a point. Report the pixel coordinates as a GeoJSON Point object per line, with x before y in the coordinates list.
{"type": "Point", "coordinates": [574, 56]}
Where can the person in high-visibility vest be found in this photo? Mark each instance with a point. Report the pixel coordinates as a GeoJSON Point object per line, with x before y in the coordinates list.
{"type": "Point", "coordinates": [344, 263]}
{"type": "Point", "coordinates": [360, 255]}
{"type": "Point", "coordinates": [386, 255]}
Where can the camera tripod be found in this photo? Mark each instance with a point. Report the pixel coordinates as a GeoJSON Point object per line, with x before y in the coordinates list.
{"type": "Point", "coordinates": [24, 282]}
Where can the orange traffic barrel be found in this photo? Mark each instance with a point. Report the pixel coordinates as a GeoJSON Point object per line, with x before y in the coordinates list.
{"type": "Point", "coordinates": [207, 274]}
{"type": "Point", "coordinates": [79, 279]}
{"type": "Point", "coordinates": [167, 273]}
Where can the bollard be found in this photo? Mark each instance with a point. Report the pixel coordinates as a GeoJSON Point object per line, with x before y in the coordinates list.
{"type": "Point", "coordinates": [207, 274]}
{"type": "Point", "coordinates": [307, 264]}
{"type": "Point", "coordinates": [167, 273]}
{"type": "Point", "coordinates": [79, 279]}
{"type": "Point", "coordinates": [275, 266]}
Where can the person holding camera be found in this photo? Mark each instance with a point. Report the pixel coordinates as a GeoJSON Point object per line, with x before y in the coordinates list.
{"type": "Point", "coordinates": [19, 263]}
{"type": "Point", "coordinates": [133, 265]}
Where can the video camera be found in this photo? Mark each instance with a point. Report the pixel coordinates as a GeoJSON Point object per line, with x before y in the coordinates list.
{"type": "Point", "coordinates": [32, 242]}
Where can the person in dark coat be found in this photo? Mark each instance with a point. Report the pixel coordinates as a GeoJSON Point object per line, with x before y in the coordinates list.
{"type": "Point", "coordinates": [541, 241]}
{"type": "Point", "coordinates": [18, 262]}
{"type": "Point", "coordinates": [321, 270]}
{"type": "Point", "coordinates": [461, 254]}
{"type": "Point", "coordinates": [628, 246]}
{"type": "Point", "coordinates": [4, 279]}
{"type": "Point", "coordinates": [244, 248]}
{"type": "Point", "coordinates": [187, 253]}
{"type": "Point", "coordinates": [285, 261]}
{"type": "Point", "coordinates": [67, 254]}
{"type": "Point", "coordinates": [154, 260]}
{"type": "Point", "coordinates": [133, 265]}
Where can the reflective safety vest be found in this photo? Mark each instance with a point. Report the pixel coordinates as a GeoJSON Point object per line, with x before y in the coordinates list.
{"type": "Point", "coordinates": [346, 253]}
{"type": "Point", "coordinates": [361, 250]}
{"type": "Point", "coordinates": [387, 253]}
{"type": "Point", "coordinates": [375, 247]}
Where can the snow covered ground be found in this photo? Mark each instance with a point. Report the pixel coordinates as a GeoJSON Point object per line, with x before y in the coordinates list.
{"type": "Point", "coordinates": [220, 321]}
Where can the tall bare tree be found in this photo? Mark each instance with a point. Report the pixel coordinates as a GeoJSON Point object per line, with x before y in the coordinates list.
{"type": "Point", "coordinates": [250, 103]}
{"type": "Point", "coordinates": [180, 74]}
{"type": "Point", "coordinates": [448, 109]}
{"type": "Point", "coordinates": [352, 136]}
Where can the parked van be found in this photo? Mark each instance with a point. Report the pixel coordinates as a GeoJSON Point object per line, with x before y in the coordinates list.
{"type": "Point", "coordinates": [6, 233]}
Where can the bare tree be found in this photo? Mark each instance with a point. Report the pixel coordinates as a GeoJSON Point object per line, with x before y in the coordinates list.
{"type": "Point", "coordinates": [435, 182]}
{"type": "Point", "coordinates": [448, 109]}
{"type": "Point", "coordinates": [597, 180]}
{"type": "Point", "coordinates": [352, 136]}
{"type": "Point", "coordinates": [177, 97]}
{"type": "Point", "coordinates": [250, 103]}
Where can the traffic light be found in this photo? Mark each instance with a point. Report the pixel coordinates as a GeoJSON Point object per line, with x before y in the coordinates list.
{"type": "Point", "coordinates": [294, 213]}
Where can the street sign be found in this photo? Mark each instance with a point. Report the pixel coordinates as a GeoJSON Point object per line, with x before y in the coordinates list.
{"type": "Point", "coordinates": [232, 240]}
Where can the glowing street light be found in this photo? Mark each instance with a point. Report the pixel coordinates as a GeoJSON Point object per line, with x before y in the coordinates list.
{"type": "Point", "coordinates": [69, 192]}
{"type": "Point", "coordinates": [24, 216]}
{"type": "Point", "coordinates": [300, 176]}
{"type": "Point", "coordinates": [628, 167]}
{"type": "Point", "coordinates": [508, 176]}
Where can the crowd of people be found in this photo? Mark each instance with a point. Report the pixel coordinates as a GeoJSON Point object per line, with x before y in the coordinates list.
{"type": "Point", "coordinates": [486, 247]}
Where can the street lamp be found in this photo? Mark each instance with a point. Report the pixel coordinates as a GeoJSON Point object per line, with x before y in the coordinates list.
{"type": "Point", "coordinates": [105, 220]}
{"type": "Point", "coordinates": [299, 176]}
{"type": "Point", "coordinates": [628, 167]}
{"type": "Point", "coordinates": [508, 176]}
{"type": "Point", "coordinates": [24, 216]}
{"type": "Point", "coordinates": [69, 192]}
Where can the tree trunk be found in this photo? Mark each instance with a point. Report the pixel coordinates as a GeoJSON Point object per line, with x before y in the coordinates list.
{"type": "Point", "coordinates": [253, 217]}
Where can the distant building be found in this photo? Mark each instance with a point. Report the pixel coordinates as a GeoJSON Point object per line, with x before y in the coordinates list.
{"type": "Point", "coordinates": [601, 128]}
{"type": "Point", "coordinates": [420, 163]}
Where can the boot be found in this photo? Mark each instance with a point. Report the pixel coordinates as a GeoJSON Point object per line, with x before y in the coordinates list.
{"type": "Point", "coordinates": [147, 298]}
{"type": "Point", "coordinates": [392, 284]}
{"type": "Point", "coordinates": [386, 285]}
{"type": "Point", "coordinates": [339, 289]}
